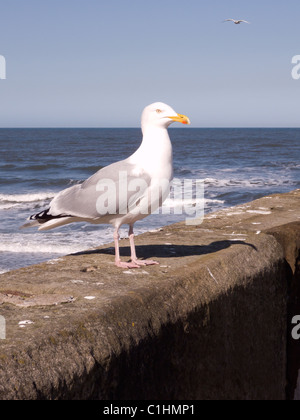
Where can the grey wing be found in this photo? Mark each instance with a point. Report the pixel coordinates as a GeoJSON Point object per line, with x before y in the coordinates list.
{"type": "Point", "coordinates": [112, 190]}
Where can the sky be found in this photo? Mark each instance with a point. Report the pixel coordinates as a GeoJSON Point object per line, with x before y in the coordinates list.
{"type": "Point", "coordinates": [95, 63]}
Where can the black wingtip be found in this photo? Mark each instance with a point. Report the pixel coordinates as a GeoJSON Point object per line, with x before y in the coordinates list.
{"type": "Point", "coordinates": [42, 217]}
{"type": "Point", "coordinates": [45, 216]}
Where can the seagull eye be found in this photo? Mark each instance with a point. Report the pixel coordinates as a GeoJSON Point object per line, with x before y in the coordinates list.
{"type": "Point", "coordinates": [159, 111]}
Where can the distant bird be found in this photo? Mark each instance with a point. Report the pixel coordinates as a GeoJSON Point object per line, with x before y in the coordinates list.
{"type": "Point", "coordinates": [237, 22]}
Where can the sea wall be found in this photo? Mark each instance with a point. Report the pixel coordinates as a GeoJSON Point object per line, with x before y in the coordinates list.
{"type": "Point", "coordinates": [212, 321]}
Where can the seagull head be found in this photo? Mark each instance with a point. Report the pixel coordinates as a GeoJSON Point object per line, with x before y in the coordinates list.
{"type": "Point", "coordinates": [161, 115]}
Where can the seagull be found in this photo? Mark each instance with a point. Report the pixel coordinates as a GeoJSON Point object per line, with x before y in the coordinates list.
{"type": "Point", "coordinates": [237, 22]}
{"type": "Point", "coordinates": [123, 192]}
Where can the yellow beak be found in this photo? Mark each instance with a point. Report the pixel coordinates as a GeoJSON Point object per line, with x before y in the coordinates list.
{"type": "Point", "coordinates": [181, 118]}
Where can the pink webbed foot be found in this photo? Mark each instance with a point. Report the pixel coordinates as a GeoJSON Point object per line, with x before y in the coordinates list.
{"type": "Point", "coordinates": [130, 265]}
{"type": "Point", "coordinates": [135, 262]}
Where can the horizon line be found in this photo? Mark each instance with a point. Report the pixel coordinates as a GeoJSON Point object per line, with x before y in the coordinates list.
{"type": "Point", "coordinates": [138, 127]}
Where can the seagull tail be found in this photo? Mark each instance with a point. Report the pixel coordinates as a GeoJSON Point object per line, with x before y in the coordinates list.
{"type": "Point", "coordinates": [54, 223]}
{"type": "Point", "coordinates": [31, 224]}
{"type": "Point", "coordinates": [46, 221]}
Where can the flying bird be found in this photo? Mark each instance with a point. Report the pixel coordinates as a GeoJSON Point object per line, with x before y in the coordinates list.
{"type": "Point", "coordinates": [237, 22]}
{"type": "Point", "coordinates": [123, 192]}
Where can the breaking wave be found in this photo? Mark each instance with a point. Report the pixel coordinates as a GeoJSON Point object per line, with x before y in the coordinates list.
{"type": "Point", "coordinates": [8, 201]}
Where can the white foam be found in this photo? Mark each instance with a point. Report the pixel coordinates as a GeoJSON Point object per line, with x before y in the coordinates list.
{"type": "Point", "coordinates": [7, 206]}
{"type": "Point", "coordinates": [189, 202]}
{"type": "Point", "coordinates": [40, 248]}
{"type": "Point", "coordinates": [26, 198]}
{"type": "Point", "coordinates": [8, 201]}
{"type": "Point", "coordinates": [246, 183]}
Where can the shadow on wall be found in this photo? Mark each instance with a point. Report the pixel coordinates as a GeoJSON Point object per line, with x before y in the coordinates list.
{"type": "Point", "coordinates": [171, 251]}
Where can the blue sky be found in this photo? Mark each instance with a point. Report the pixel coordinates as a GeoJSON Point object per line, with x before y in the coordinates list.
{"type": "Point", "coordinates": [95, 63]}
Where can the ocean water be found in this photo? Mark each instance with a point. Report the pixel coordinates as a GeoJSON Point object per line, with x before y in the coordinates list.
{"type": "Point", "coordinates": [236, 166]}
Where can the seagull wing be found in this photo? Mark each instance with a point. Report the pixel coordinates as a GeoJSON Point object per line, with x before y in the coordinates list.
{"type": "Point", "coordinates": [109, 191]}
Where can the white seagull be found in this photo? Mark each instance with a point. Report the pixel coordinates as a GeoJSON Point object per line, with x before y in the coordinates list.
{"type": "Point", "coordinates": [123, 192]}
{"type": "Point", "coordinates": [237, 22]}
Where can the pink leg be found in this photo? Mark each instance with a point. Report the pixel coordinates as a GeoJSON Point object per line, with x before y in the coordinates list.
{"type": "Point", "coordinates": [134, 258]}
{"type": "Point", "coordinates": [118, 261]}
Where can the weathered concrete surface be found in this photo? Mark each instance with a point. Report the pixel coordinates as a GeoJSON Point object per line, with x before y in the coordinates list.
{"type": "Point", "coordinates": [210, 322]}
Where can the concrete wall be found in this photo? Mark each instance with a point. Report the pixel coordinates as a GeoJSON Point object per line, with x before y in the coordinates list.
{"type": "Point", "coordinates": [212, 321]}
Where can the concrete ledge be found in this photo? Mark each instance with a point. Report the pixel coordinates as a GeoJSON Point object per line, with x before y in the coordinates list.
{"type": "Point", "coordinates": [211, 322]}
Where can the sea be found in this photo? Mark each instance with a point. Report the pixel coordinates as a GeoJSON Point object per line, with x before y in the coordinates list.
{"type": "Point", "coordinates": [235, 166]}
